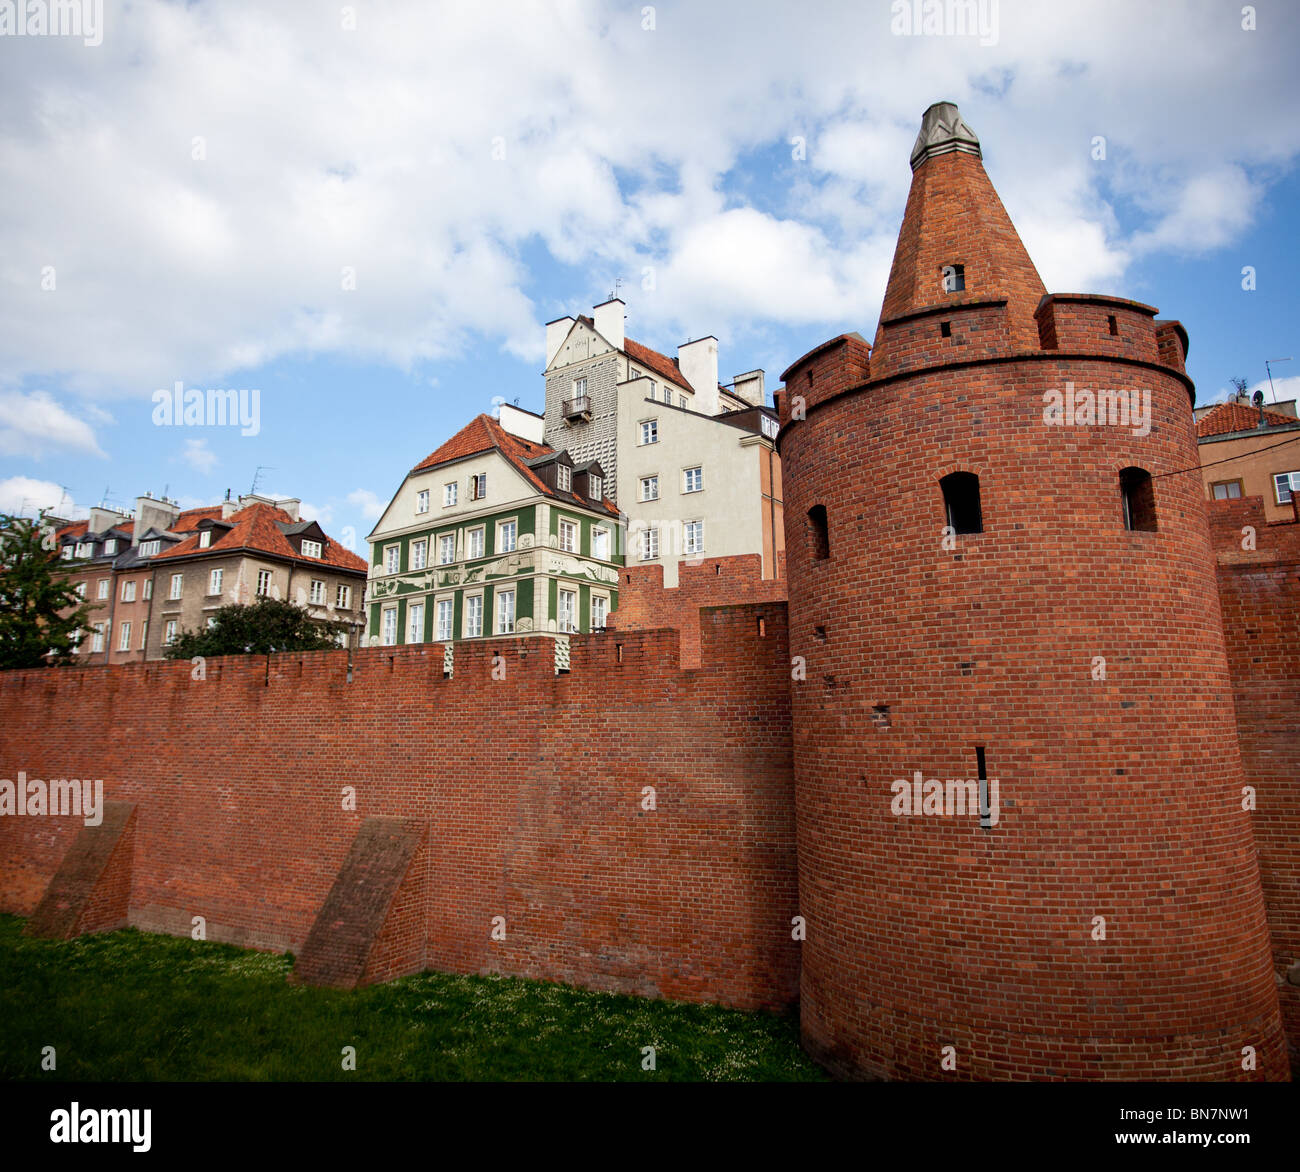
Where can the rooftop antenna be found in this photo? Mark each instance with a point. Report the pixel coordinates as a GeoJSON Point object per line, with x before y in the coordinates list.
{"type": "Point", "coordinates": [258, 476]}
{"type": "Point", "coordinates": [1268, 368]}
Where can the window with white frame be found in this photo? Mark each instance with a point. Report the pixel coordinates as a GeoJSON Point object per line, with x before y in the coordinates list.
{"type": "Point", "coordinates": [81, 589]}
{"type": "Point", "coordinates": [473, 616]}
{"type": "Point", "coordinates": [693, 480]}
{"type": "Point", "coordinates": [128, 591]}
{"type": "Point", "coordinates": [97, 640]}
{"type": "Point", "coordinates": [148, 589]}
{"type": "Point", "coordinates": [474, 542]}
{"type": "Point", "coordinates": [449, 494]}
{"type": "Point", "coordinates": [205, 539]}
{"type": "Point", "coordinates": [311, 549]}
{"type": "Point", "coordinates": [67, 553]}
{"type": "Point", "coordinates": [317, 594]}
{"type": "Point", "coordinates": [694, 537]}
{"type": "Point", "coordinates": [649, 544]}
{"type": "Point", "coordinates": [600, 543]}
{"type": "Point", "coordinates": [505, 612]}
{"type": "Point", "coordinates": [110, 546]}
{"type": "Point", "coordinates": [215, 580]}
{"type": "Point", "coordinates": [169, 632]}
{"type": "Point", "coordinates": [1284, 484]}
{"type": "Point", "coordinates": [83, 549]}
{"type": "Point", "coordinates": [392, 558]}
{"type": "Point", "coordinates": [422, 501]}
{"type": "Point", "coordinates": [149, 548]}
{"type": "Point", "coordinates": [178, 586]}
{"type": "Point", "coordinates": [599, 611]}
{"type": "Point", "coordinates": [388, 634]}
{"type": "Point", "coordinates": [343, 597]}
{"type": "Point", "coordinates": [263, 583]}
{"type": "Point", "coordinates": [650, 488]}
{"type": "Point", "coordinates": [595, 488]}
{"type": "Point", "coordinates": [563, 477]}
{"type": "Point", "coordinates": [568, 610]}
{"type": "Point", "coordinates": [415, 622]}
{"type": "Point", "coordinates": [768, 426]}
{"type": "Point", "coordinates": [507, 536]}
{"type": "Point", "coordinates": [419, 553]}
{"type": "Point", "coordinates": [445, 611]}
{"type": "Point", "coordinates": [649, 431]}
{"type": "Point", "coordinates": [102, 591]}
{"type": "Point", "coordinates": [144, 633]}
{"type": "Point", "coordinates": [579, 387]}
{"type": "Point", "coordinates": [478, 486]}
{"type": "Point", "coordinates": [668, 395]}
{"type": "Point", "coordinates": [124, 642]}
{"type": "Point", "coordinates": [446, 549]}
{"type": "Point", "coordinates": [569, 536]}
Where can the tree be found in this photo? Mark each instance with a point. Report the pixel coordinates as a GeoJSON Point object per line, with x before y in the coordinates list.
{"type": "Point", "coordinates": [269, 624]}
{"type": "Point", "coordinates": [41, 614]}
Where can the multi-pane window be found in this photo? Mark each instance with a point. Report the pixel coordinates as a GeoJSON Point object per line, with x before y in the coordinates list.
{"type": "Point", "coordinates": [474, 542]}
{"type": "Point", "coordinates": [415, 623]}
{"type": "Point", "coordinates": [389, 634]}
{"type": "Point", "coordinates": [178, 586]}
{"type": "Point", "coordinates": [445, 611]}
{"type": "Point", "coordinates": [128, 591]}
{"type": "Point", "coordinates": [505, 612]}
{"type": "Point", "coordinates": [650, 431]}
{"type": "Point", "coordinates": [148, 589]}
{"type": "Point", "coordinates": [1284, 484]}
{"type": "Point", "coordinates": [124, 643]}
{"type": "Point", "coordinates": [317, 592]}
{"type": "Point", "coordinates": [507, 536]}
{"type": "Point", "coordinates": [419, 553]}
{"type": "Point", "coordinates": [83, 549]}
{"type": "Point", "coordinates": [595, 487]}
{"type": "Point", "coordinates": [214, 581]}
{"type": "Point", "coordinates": [569, 536]}
{"type": "Point", "coordinates": [649, 544]}
{"type": "Point", "coordinates": [102, 591]}
{"type": "Point", "coordinates": [263, 583]}
{"type": "Point", "coordinates": [693, 480]}
{"type": "Point", "coordinates": [474, 616]}
{"type": "Point", "coordinates": [668, 395]}
{"type": "Point", "coordinates": [310, 549]}
{"type": "Point", "coordinates": [169, 632]}
{"type": "Point", "coordinates": [149, 548]}
{"type": "Point", "coordinates": [446, 549]}
{"type": "Point", "coordinates": [478, 486]}
{"type": "Point", "coordinates": [600, 544]}
{"type": "Point", "coordinates": [205, 539]}
{"type": "Point", "coordinates": [110, 546]}
{"type": "Point", "coordinates": [563, 477]}
{"type": "Point", "coordinates": [97, 641]}
{"type": "Point", "coordinates": [1226, 490]}
{"type": "Point", "coordinates": [579, 387]}
{"type": "Point", "coordinates": [694, 537]}
{"type": "Point", "coordinates": [422, 501]}
{"type": "Point", "coordinates": [650, 488]}
{"type": "Point", "coordinates": [343, 597]}
{"type": "Point", "coordinates": [568, 614]}
{"type": "Point", "coordinates": [392, 558]}
{"type": "Point", "coordinates": [67, 553]}
{"type": "Point", "coordinates": [449, 495]}
{"type": "Point", "coordinates": [599, 611]}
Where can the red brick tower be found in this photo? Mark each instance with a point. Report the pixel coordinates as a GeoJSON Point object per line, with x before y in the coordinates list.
{"type": "Point", "coordinates": [985, 581]}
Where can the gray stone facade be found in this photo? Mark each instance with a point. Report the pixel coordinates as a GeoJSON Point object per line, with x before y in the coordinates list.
{"type": "Point", "coordinates": [597, 440]}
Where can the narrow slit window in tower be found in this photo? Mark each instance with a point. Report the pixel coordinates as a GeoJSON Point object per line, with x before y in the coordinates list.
{"type": "Point", "coordinates": [961, 501]}
{"type": "Point", "coordinates": [945, 329]}
{"type": "Point", "coordinates": [1114, 326]}
{"type": "Point", "coordinates": [1139, 498]}
{"type": "Point", "coordinates": [819, 533]}
{"type": "Point", "coordinates": [986, 811]}
{"type": "Point", "coordinates": [954, 278]}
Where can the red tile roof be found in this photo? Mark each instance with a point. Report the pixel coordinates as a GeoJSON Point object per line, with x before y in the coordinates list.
{"type": "Point", "coordinates": [483, 434]}
{"type": "Point", "coordinates": [1233, 416]}
{"type": "Point", "coordinates": [255, 529]}
{"type": "Point", "coordinates": [76, 529]}
{"type": "Point", "coordinates": [661, 364]}
{"type": "Point", "coordinates": [188, 521]}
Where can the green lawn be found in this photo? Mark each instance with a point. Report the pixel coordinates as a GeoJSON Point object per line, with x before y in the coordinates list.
{"type": "Point", "coordinates": [134, 1007]}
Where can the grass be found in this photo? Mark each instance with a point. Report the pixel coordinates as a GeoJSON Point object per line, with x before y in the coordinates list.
{"type": "Point", "coordinates": [129, 1006]}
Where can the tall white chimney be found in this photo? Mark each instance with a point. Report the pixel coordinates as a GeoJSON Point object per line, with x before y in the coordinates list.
{"type": "Point", "coordinates": [698, 361]}
{"type": "Point", "coordinates": [608, 317]}
{"type": "Point", "coordinates": [556, 332]}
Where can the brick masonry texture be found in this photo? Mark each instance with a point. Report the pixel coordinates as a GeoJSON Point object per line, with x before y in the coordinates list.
{"type": "Point", "coordinates": [529, 790]}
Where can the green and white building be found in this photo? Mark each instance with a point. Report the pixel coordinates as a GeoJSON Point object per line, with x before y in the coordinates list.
{"type": "Point", "coordinates": [492, 535]}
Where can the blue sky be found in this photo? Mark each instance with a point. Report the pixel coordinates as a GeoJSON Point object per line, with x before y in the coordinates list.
{"type": "Point", "coordinates": [184, 202]}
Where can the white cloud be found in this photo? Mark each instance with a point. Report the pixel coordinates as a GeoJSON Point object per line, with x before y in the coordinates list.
{"type": "Point", "coordinates": [21, 495]}
{"type": "Point", "coordinates": [369, 505]}
{"type": "Point", "coordinates": [33, 423]}
{"type": "Point", "coordinates": [321, 514]}
{"type": "Point", "coordinates": [199, 456]}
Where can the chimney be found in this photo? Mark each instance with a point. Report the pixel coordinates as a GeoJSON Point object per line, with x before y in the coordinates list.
{"type": "Point", "coordinates": [608, 317]}
{"type": "Point", "coordinates": [102, 518]}
{"type": "Point", "coordinates": [522, 423]}
{"type": "Point", "coordinates": [698, 362]}
{"type": "Point", "coordinates": [556, 332]}
{"type": "Point", "coordinates": [151, 513]}
{"type": "Point", "coordinates": [749, 387]}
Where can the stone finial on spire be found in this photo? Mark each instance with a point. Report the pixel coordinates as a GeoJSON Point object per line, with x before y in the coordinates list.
{"type": "Point", "coordinates": [942, 130]}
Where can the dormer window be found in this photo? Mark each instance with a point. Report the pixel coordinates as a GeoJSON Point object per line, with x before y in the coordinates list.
{"type": "Point", "coordinates": [83, 549]}
{"type": "Point", "coordinates": [67, 553]}
{"type": "Point", "coordinates": [110, 546]}
{"type": "Point", "coordinates": [595, 487]}
{"type": "Point", "coordinates": [205, 539]}
{"type": "Point", "coordinates": [310, 549]}
{"type": "Point", "coordinates": [954, 278]}
{"type": "Point", "coordinates": [149, 548]}
{"type": "Point", "coordinates": [563, 477]}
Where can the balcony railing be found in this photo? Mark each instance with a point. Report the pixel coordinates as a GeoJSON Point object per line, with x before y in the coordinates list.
{"type": "Point", "coordinates": [578, 408]}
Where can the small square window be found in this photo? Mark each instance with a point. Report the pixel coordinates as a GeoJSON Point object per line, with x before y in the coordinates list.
{"type": "Point", "coordinates": [693, 480]}
{"type": "Point", "coordinates": [1284, 484]}
{"type": "Point", "coordinates": [650, 488]}
{"type": "Point", "coordinates": [649, 431]}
